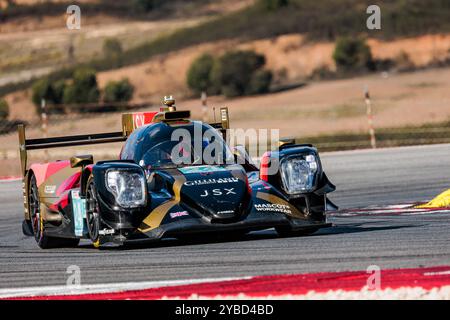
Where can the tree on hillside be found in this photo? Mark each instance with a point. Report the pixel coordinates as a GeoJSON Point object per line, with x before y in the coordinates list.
{"type": "Point", "coordinates": [112, 51]}
{"type": "Point", "coordinates": [52, 93]}
{"type": "Point", "coordinates": [272, 5]}
{"type": "Point", "coordinates": [41, 89]}
{"type": "Point", "coordinates": [83, 89]}
{"type": "Point", "coordinates": [235, 71]}
{"type": "Point", "coordinates": [4, 109]}
{"type": "Point", "coordinates": [118, 91]}
{"type": "Point", "coordinates": [199, 74]}
{"type": "Point", "coordinates": [146, 5]}
{"type": "Point", "coordinates": [353, 54]}
{"type": "Point", "coordinates": [260, 82]}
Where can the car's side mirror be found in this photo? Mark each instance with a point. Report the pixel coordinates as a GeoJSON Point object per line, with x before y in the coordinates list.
{"type": "Point", "coordinates": [81, 161]}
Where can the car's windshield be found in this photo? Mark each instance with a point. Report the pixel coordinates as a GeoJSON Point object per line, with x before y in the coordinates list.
{"type": "Point", "coordinates": [160, 154]}
{"type": "Point", "coordinates": [208, 148]}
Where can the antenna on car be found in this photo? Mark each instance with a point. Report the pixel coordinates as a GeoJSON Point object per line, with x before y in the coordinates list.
{"type": "Point", "coordinates": [169, 102]}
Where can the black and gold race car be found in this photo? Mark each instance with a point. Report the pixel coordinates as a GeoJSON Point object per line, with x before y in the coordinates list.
{"type": "Point", "coordinates": [164, 186]}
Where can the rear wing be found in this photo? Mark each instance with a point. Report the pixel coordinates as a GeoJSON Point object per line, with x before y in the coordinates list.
{"type": "Point", "coordinates": [130, 122]}
{"type": "Point", "coordinates": [58, 142]}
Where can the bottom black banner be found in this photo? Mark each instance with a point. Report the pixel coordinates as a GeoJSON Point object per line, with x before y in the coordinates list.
{"type": "Point", "coordinates": [229, 309]}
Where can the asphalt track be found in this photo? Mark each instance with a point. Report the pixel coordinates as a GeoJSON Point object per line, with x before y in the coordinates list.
{"type": "Point", "coordinates": [363, 178]}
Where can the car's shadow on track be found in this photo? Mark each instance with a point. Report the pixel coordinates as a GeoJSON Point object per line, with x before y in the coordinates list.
{"type": "Point", "coordinates": [357, 228]}
{"type": "Point", "coordinates": [260, 236]}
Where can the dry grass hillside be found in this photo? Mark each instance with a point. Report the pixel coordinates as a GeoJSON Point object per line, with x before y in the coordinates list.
{"type": "Point", "coordinates": [290, 57]}
{"type": "Point", "coordinates": [29, 45]}
{"type": "Point", "coordinates": [322, 107]}
{"type": "Point", "coordinates": [33, 23]}
{"type": "Point", "coordinates": [33, 45]}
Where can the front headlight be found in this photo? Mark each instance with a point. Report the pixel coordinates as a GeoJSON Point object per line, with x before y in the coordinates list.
{"type": "Point", "coordinates": [127, 186]}
{"type": "Point", "coordinates": [298, 173]}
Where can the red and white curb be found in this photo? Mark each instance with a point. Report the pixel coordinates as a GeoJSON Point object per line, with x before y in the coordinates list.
{"type": "Point", "coordinates": [78, 290]}
{"type": "Point", "coordinates": [419, 283]}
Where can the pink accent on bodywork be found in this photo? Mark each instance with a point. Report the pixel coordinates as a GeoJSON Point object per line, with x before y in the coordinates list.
{"type": "Point", "coordinates": [63, 202]}
{"type": "Point", "coordinates": [43, 171]}
{"type": "Point", "coordinates": [64, 189]}
{"type": "Point", "coordinates": [39, 171]}
{"type": "Point", "coordinates": [54, 167]}
{"type": "Point", "coordinates": [70, 183]}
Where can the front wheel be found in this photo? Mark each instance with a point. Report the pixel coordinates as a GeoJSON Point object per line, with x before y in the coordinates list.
{"type": "Point", "coordinates": [37, 222]}
{"type": "Point", "coordinates": [288, 232]}
{"type": "Point", "coordinates": [92, 212]}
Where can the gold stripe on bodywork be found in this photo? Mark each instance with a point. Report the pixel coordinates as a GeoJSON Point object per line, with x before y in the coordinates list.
{"type": "Point", "coordinates": [179, 182]}
{"type": "Point", "coordinates": [154, 219]}
{"type": "Point", "coordinates": [277, 200]}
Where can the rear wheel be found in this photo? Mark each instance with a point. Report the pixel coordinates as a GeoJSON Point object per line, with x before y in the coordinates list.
{"type": "Point", "coordinates": [288, 232]}
{"type": "Point", "coordinates": [92, 213]}
{"type": "Point", "coordinates": [37, 222]}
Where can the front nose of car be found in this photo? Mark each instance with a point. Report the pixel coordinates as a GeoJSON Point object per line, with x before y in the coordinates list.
{"type": "Point", "coordinates": [220, 196]}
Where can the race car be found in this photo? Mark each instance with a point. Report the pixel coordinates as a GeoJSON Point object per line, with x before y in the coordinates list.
{"type": "Point", "coordinates": [162, 185]}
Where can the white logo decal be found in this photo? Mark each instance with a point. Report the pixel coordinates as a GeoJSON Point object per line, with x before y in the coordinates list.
{"type": "Point", "coordinates": [273, 207]}
{"type": "Point", "coordinates": [178, 214]}
{"type": "Point", "coordinates": [50, 189]}
{"type": "Point", "coordinates": [219, 192]}
{"type": "Point", "coordinates": [225, 212]}
{"type": "Point", "coordinates": [139, 120]}
{"type": "Point", "coordinates": [210, 181]}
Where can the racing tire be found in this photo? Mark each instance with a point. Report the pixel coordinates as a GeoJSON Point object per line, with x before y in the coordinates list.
{"type": "Point", "coordinates": [288, 232]}
{"type": "Point", "coordinates": [92, 212]}
{"type": "Point", "coordinates": [37, 224]}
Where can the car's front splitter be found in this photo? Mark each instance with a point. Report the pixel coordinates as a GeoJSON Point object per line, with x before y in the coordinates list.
{"type": "Point", "coordinates": [193, 227]}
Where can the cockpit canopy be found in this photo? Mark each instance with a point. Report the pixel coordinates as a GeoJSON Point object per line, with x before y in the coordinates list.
{"type": "Point", "coordinates": [176, 144]}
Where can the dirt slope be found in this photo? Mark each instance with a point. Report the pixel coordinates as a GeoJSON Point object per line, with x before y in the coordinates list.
{"type": "Point", "coordinates": [290, 57]}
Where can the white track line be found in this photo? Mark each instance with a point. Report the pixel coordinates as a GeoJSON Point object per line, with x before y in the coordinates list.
{"type": "Point", "coordinates": [10, 179]}
{"type": "Point", "coordinates": [103, 287]}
